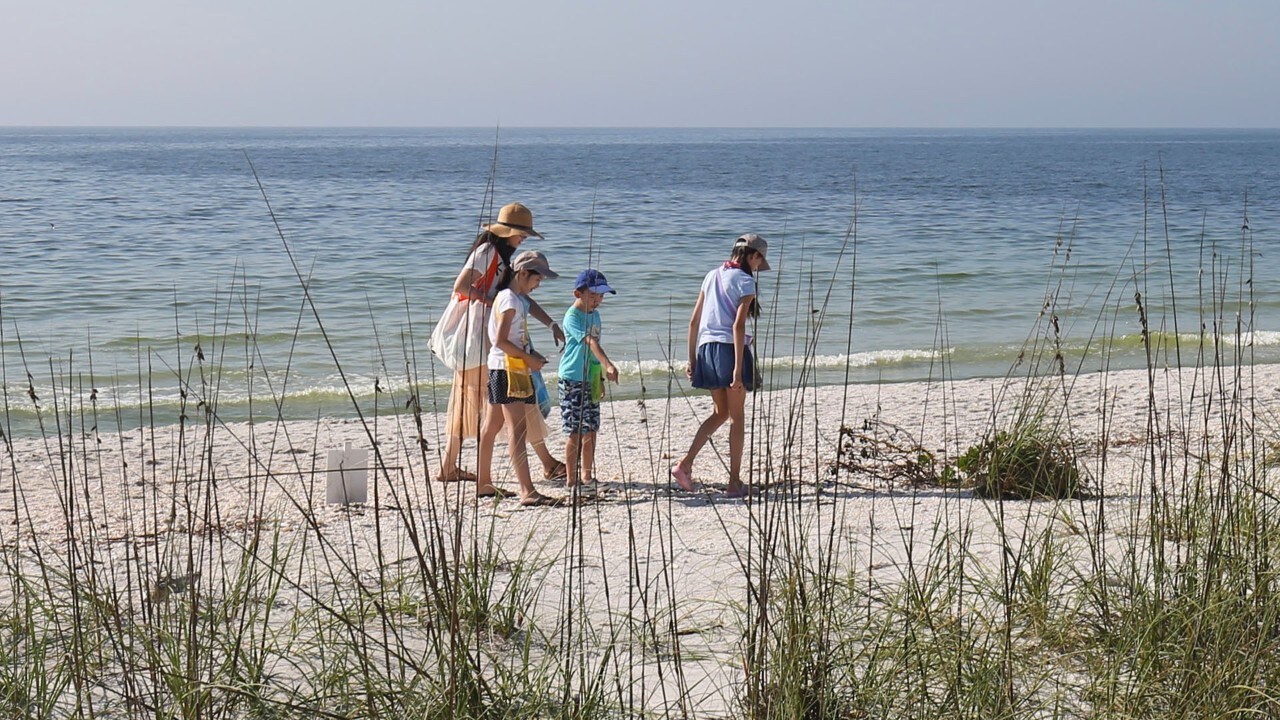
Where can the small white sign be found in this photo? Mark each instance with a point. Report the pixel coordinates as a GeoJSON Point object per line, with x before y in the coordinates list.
{"type": "Point", "coordinates": [348, 476]}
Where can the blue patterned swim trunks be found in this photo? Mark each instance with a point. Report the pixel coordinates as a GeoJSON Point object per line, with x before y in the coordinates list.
{"type": "Point", "coordinates": [579, 414]}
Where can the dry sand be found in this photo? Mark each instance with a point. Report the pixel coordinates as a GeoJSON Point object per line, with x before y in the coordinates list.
{"type": "Point", "coordinates": [651, 546]}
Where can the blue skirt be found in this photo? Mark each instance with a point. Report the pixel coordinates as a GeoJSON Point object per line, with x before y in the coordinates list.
{"type": "Point", "coordinates": [713, 369]}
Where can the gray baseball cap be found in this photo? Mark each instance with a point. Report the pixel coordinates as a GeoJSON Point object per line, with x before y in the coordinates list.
{"type": "Point", "coordinates": [757, 243]}
{"type": "Point", "coordinates": [535, 261]}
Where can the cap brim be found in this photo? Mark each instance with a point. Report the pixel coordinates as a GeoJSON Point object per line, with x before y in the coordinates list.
{"type": "Point", "coordinates": [764, 264]}
{"type": "Point", "coordinates": [602, 289]}
{"type": "Point", "coordinates": [546, 272]}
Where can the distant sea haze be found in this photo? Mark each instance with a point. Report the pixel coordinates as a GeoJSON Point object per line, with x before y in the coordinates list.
{"type": "Point", "coordinates": [128, 255]}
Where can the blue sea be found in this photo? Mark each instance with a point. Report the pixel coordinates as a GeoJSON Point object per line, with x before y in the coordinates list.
{"type": "Point", "coordinates": [139, 266]}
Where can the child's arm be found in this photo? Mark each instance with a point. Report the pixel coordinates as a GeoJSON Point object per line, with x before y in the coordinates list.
{"type": "Point", "coordinates": [740, 337]}
{"type": "Point", "coordinates": [610, 370]}
{"type": "Point", "coordinates": [557, 334]}
{"type": "Point", "coordinates": [504, 343]}
{"type": "Point", "coordinates": [694, 321]}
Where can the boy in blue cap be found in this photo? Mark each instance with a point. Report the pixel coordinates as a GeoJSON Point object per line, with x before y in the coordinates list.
{"type": "Point", "coordinates": [583, 368]}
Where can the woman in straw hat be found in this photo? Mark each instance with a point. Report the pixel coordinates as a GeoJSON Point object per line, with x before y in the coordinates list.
{"type": "Point", "coordinates": [488, 266]}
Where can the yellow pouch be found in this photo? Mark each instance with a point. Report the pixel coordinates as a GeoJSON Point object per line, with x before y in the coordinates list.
{"type": "Point", "coordinates": [519, 378]}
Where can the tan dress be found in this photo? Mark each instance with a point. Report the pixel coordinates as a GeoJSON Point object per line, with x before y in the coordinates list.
{"type": "Point", "coordinates": [469, 397]}
{"type": "Point", "coordinates": [469, 401]}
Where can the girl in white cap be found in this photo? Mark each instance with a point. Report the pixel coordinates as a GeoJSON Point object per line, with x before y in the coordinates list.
{"type": "Point", "coordinates": [488, 266]}
{"type": "Point", "coordinates": [720, 358]}
{"type": "Point", "coordinates": [511, 360]}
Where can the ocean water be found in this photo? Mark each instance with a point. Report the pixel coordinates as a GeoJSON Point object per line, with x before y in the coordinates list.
{"type": "Point", "coordinates": [139, 265]}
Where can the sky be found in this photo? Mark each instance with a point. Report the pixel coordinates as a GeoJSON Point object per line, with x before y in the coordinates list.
{"type": "Point", "coordinates": [646, 63]}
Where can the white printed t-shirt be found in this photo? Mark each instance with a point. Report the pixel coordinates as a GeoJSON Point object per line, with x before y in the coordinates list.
{"type": "Point", "coordinates": [722, 292]}
{"type": "Point", "coordinates": [508, 300]}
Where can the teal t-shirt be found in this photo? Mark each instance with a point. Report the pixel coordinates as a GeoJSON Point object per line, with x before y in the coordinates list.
{"type": "Point", "coordinates": [578, 325]}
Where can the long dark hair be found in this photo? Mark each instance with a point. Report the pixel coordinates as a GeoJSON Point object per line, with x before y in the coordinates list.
{"type": "Point", "coordinates": [505, 251]}
{"type": "Point", "coordinates": [740, 256]}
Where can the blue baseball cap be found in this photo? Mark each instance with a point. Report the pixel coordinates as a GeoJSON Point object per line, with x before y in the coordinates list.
{"type": "Point", "coordinates": [594, 281]}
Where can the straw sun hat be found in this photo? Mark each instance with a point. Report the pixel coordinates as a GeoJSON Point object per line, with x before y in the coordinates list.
{"type": "Point", "coordinates": [513, 218]}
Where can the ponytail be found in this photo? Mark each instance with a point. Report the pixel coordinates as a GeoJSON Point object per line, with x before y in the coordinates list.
{"type": "Point", "coordinates": [739, 257]}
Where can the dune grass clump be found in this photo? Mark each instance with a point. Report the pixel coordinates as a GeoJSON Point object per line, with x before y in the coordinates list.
{"type": "Point", "coordinates": [798, 666]}
{"type": "Point", "coordinates": [1026, 463]}
{"type": "Point", "coordinates": [1191, 629]}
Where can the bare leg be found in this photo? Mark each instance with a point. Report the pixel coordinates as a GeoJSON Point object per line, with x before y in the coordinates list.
{"type": "Point", "coordinates": [737, 400]}
{"type": "Point", "coordinates": [708, 428]}
{"type": "Point", "coordinates": [488, 434]}
{"type": "Point", "coordinates": [588, 456]}
{"type": "Point", "coordinates": [571, 448]}
{"type": "Point", "coordinates": [536, 431]}
{"type": "Point", "coordinates": [450, 467]}
{"type": "Point", "coordinates": [516, 447]}
{"type": "Point", "coordinates": [549, 461]}
{"type": "Point", "coordinates": [465, 417]}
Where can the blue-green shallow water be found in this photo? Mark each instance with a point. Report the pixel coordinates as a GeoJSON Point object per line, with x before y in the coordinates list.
{"type": "Point", "coordinates": [122, 250]}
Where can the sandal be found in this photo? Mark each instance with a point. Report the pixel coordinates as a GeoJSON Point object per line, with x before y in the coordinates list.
{"type": "Point", "coordinates": [498, 493]}
{"type": "Point", "coordinates": [461, 476]}
{"type": "Point", "coordinates": [743, 493]}
{"type": "Point", "coordinates": [542, 501]}
{"type": "Point", "coordinates": [557, 472]}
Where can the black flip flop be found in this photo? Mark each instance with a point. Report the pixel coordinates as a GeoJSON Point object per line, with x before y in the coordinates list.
{"type": "Point", "coordinates": [542, 501]}
{"type": "Point", "coordinates": [497, 493]}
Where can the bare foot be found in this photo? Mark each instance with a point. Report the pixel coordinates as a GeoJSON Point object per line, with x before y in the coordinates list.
{"type": "Point", "coordinates": [682, 476]}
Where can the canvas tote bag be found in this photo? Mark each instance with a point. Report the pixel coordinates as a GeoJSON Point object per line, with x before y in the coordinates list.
{"type": "Point", "coordinates": [461, 337]}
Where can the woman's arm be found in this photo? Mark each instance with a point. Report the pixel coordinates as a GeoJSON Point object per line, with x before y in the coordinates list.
{"type": "Point", "coordinates": [464, 285]}
{"type": "Point", "coordinates": [694, 321]}
{"type": "Point", "coordinates": [557, 334]}
{"type": "Point", "coordinates": [740, 337]}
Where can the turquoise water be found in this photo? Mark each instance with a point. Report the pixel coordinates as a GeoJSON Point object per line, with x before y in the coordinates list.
{"type": "Point", "coordinates": [127, 254]}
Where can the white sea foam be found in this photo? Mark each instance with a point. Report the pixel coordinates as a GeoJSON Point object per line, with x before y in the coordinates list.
{"type": "Point", "coordinates": [1259, 338]}
{"type": "Point", "coordinates": [855, 360]}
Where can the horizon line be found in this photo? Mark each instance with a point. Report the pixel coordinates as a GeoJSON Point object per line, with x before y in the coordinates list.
{"type": "Point", "coordinates": [1057, 128]}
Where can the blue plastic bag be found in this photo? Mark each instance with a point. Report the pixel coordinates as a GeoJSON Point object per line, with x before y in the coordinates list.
{"type": "Point", "coordinates": [540, 391]}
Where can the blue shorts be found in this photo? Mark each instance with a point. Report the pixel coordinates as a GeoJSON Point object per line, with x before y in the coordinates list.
{"type": "Point", "coordinates": [713, 369]}
{"type": "Point", "coordinates": [578, 413]}
{"type": "Point", "coordinates": [498, 390]}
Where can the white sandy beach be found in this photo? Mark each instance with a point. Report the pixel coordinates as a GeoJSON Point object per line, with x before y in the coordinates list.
{"type": "Point", "coordinates": [649, 544]}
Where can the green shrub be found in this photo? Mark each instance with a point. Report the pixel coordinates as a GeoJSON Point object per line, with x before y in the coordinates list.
{"type": "Point", "coordinates": [1025, 464]}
